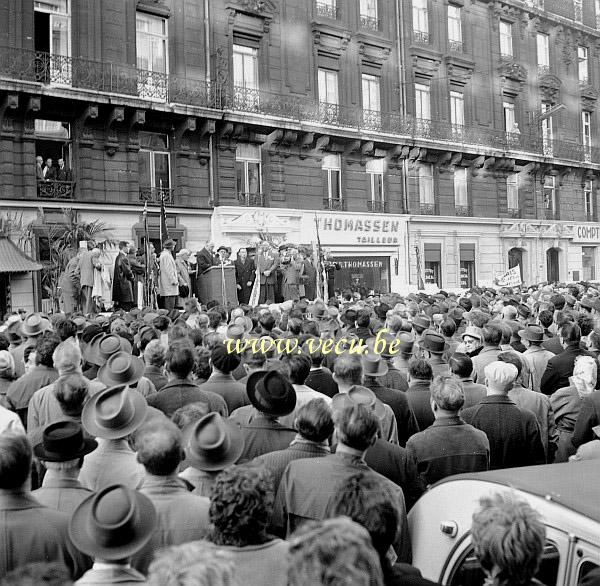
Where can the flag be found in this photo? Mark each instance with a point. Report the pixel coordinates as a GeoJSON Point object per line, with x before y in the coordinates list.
{"type": "Point", "coordinates": [511, 278]}
{"type": "Point", "coordinates": [321, 274]}
{"type": "Point", "coordinates": [147, 279]}
{"type": "Point", "coordinates": [420, 281]}
{"type": "Point", "coordinates": [164, 231]}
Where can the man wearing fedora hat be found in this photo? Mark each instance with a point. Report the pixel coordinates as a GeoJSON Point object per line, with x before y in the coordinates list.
{"type": "Point", "coordinates": [374, 368]}
{"type": "Point", "coordinates": [30, 531]}
{"type": "Point", "coordinates": [112, 415]}
{"type": "Point", "coordinates": [112, 526]}
{"type": "Point", "coordinates": [356, 428]}
{"type": "Point", "coordinates": [168, 281]}
{"type": "Point", "coordinates": [271, 396]}
{"type": "Point", "coordinates": [61, 451]}
{"type": "Point", "coordinates": [492, 337]}
{"type": "Point", "coordinates": [433, 347]}
{"type": "Point", "coordinates": [181, 516]}
{"type": "Point", "coordinates": [31, 328]}
{"type": "Point", "coordinates": [536, 356]}
{"type": "Point", "coordinates": [211, 444]}
{"type": "Point", "coordinates": [393, 379]}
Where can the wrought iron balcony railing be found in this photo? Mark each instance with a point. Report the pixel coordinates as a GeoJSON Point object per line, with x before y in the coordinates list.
{"type": "Point", "coordinates": [465, 211]}
{"type": "Point", "coordinates": [369, 23]}
{"type": "Point", "coordinates": [550, 214]}
{"type": "Point", "coordinates": [55, 189]}
{"type": "Point", "coordinates": [514, 212]}
{"type": "Point", "coordinates": [427, 209]}
{"type": "Point", "coordinates": [334, 205]}
{"type": "Point", "coordinates": [157, 195]}
{"type": "Point", "coordinates": [543, 70]}
{"type": "Point", "coordinates": [379, 207]}
{"type": "Point", "coordinates": [421, 37]}
{"type": "Point", "coordinates": [327, 10]}
{"type": "Point", "coordinates": [456, 46]}
{"type": "Point", "coordinates": [252, 200]}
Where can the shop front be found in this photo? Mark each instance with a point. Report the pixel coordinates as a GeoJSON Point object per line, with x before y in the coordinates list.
{"type": "Point", "coordinates": [370, 248]}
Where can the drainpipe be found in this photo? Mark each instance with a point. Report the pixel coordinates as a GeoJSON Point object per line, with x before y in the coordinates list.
{"type": "Point", "coordinates": [402, 80]}
{"type": "Point", "coordinates": [211, 169]}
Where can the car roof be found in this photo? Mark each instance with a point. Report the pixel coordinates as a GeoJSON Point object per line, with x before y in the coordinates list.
{"type": "Point", "coordinates": [575, 485]}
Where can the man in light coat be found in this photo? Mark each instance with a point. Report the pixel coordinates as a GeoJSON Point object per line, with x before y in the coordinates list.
{"type": "Point", "coordinates": [168, 282]}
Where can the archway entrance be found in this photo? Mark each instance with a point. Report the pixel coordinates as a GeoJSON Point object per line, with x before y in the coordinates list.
{"type": "Point", "coordinates": [515, 258]}
{"type": "Point", "coordinates": [552, 265]}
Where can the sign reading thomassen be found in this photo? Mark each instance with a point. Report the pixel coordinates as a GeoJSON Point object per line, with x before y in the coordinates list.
{"type": "Point", "coordinates": [314, 345]}
{"type": "Point", "coordinates": [367, 231]}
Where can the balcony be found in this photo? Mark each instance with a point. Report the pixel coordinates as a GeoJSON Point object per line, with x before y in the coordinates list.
{"type": "Point", "coordinates": [252, 200]}
{"type": "Point", "coordinates": [464, 211]}
{"type": "Point", "coordinates": [427, 209]}
{"type": "Point", "coordinates": [327, 10]}
{"type": "Point", "coordinates": [514, 212]}
{"type": "Point", "coordinates": [421, 37]}
{"type": "Point", "coordinates": [334, 205]}
{"type": "Point", "coordinates": [455, 46]}
{"type": "Point", "coordinates": [543, 70]}
{"type": "Point", "coordinates": [369, 23]}
{"type": "Point", "coordinates": [55, 189]}
{"type": "Point", "coordinates": [378, 207]}
{"type": "Point", "coordinates": [157, 195]}
{"type": "Point", "coordinates": [550, 214]}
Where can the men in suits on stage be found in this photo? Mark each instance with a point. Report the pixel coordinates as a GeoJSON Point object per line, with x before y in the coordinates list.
{"type": "Point", "coordinates": [205, 259]}
{"type": "Point", "coordinates": [267, 262]}
{"type": "Point", "coordinates": [123, 280]}
{"type": "Point", "coordinates": [245, 274]}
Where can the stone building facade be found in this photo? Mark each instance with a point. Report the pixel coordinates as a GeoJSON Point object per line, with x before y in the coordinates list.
{"type": "Point", "coordinates": [470, 125]}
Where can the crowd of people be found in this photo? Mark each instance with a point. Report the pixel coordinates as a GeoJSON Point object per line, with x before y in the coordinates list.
{"type": "Point", "coordinates": [284, 443]}
{"type": "Point", "coordinates": [285, 272]}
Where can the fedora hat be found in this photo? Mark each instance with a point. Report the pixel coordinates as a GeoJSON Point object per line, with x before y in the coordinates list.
{"type": "Point", "coordinates": [114, 412]}
{"type": "Point", "coordinates": [63, 441]}
{"type": "Point", "coordinates": [245, 322]}
{"type": "Point", "coordinates": [34, 325]}
{"type": "Point", "coordinates": [103, 346]}
{"type": "Point", "coordinates": [358, 395]}
{"type": "Point", "coordinates": [373, 365]}
{"type": "Point", "coordinates": [271, 393]}
{"type": "Point", "coordinates": [318, 310]}
{"type": "Point", "coordinates": [213, 443]}
{"type": "Point", "coordinates": [121, 369]}
{"type": "Point", "coordinates": [235, 332]}
{"type": "Point", "coordinates": [407, 341]}
{"type": "Point", "coordinates": [422, 321]}
{"type": "Point", "coordinates": [433, 342]}
{"type": "Point", "coordinates": [113, 524]}
{"type": "Point", "coordinates": [80, 324]}
{"type": "Point", "coordinates": [473, 332]}
{"type": "Point", "coordinates": [532, 333]}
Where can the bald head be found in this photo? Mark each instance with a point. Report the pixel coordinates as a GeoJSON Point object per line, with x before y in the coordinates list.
{"type": "Point", "coordinates": [159, 447]}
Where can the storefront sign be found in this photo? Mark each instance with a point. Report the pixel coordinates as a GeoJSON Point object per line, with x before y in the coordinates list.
{"type": "Point", "coordinates": [361, 264]}
{"type": "Point", "coordinates": [374, 231]}
{"type": "Point", "coordinates": [586, 233]}
{"type": "Point", "coordinates": [371, 273]}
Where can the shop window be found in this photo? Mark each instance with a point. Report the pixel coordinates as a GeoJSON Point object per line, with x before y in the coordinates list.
{"type": "Point", "coordinates": [332, 182]}
{"type": "Point", "coordinates": [372, 273]}
{"type": "Point", "coordinates": [433, 264]}
{"type": "Point", "coordinates": [52, 39]}
{"type": "Point", "coordinates": [248, 173]}
{"type": "Point", "coordinates": [588, 262]}
{"type": "Point", "coordinates": [154, 167]}
{"type": "Point", "coordinates": [468, 572]}
{"type": "Point", "coordinates": [506, 39]}
{"type": "Point", "coordinates": [467, 266]}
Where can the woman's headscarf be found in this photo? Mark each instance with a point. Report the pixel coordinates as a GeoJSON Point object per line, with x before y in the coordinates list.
{"type": "Point", "coordinates": [584, 376]}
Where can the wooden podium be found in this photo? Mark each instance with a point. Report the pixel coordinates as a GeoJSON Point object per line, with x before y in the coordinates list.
{"type": "Point", "coordinates": [218, 283]}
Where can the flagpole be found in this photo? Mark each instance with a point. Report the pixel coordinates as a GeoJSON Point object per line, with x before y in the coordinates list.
{"type": "Point", "coordinates": [321, 284]}
{"type": "Point", "coordinates": [147, 271]}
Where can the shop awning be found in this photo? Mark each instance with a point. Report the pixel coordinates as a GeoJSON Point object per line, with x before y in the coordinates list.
{"type": "Point", "coordinates": [12, 260]}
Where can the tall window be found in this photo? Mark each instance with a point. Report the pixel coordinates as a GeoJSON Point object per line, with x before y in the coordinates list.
{"type": "Point", "coordinates": [455, 39]}
{"type": "Point", "coordinates": [332, 181]}
{"type": "Point", "coordinates": [422, 101]}
{"type": "Point", "coordinates": [327, 8]}
{"type": "Point", "coordinates": [509, 116]}
{"type": "Point", "coordinates": [583, 64]}
{"type": "Point", "coordinates": [597, 12]}
{"type": "Point", "coordinates": [457, 111]}
{"type": "Point", "coordinates": [512, 192]}
{"type": "Point", "coordinates": [52, 29]}
{"type": "Point", "coordinates": [248, 171]}
{"type": "Point", "coordinates": [328, 86]}
{"type": "Point", "coordinates": [543, 52]}
{"type": "Point", "coordinates": [586, 133]}
{"type": "Point", "coordinates": [368, 14]}
{"type": "Point", "coordinates": [547, 133]}
{"type": "Point", "coordinates": [578, 10]}
{"type": "Point", "coordinates": [245, 67]}
{"type": "Point", "coordinates": [151, 48]}
{"type": "Point", "coordinates": [376, 172]}
{"type": "Point", "coordinates": [370, 93]}
{"type": "Point", "coordinates": [506, 39]}
{"type": "Point", "coordinates": [588, 201]}
{"type": "Point", "coordinates": [154, 166]}
{"type": "Point", "coordinates": [420, 18]}
{"type": "Point", "coordinates": [426, 195]}
{"type": "Point", "coordinates": [550, 197]}
{"type": "Point", "coordinates": [461, 197]}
